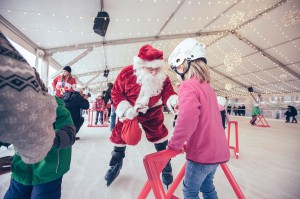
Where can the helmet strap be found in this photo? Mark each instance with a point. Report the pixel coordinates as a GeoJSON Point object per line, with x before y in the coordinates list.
{"type": "Point", "coordinates": [185, 72]}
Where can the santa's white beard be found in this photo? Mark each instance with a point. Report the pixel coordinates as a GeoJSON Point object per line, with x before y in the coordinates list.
{"type": "Point", "coordinates": [151, 85]}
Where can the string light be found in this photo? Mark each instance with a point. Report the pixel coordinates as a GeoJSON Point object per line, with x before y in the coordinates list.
{"type": "Point", "coordinates": [250, 72]}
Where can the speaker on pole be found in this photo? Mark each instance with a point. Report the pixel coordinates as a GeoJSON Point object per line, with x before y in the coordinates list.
{"type": "Point", "coordinates": [250, 89]}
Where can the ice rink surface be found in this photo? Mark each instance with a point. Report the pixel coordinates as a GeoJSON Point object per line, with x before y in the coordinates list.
{"type": "Point", "coordinates": [268, 165]}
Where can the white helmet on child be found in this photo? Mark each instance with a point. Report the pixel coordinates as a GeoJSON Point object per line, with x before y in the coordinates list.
{"type": "Point", "coordinates": [221, 100]}
{"type": "Point", "coordinates": [189, 49]}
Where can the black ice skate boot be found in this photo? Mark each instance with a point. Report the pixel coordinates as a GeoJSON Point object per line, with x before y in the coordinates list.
{"type": "Point", "coordinates": [167, 175]}
{"type": "Point", "coordinates": [115, 164]}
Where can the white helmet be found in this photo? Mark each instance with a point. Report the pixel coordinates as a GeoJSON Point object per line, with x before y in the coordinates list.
{"type": "Point", "coordinates": [221, 100]}
{"type": "Point", "coordinates": [189, 49]}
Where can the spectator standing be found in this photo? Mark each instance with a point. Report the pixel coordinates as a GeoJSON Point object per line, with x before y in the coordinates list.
{"type": "Point", "coordinates": [99, 107]}
{"type": "Point", "coordinates": [243, 107]}
{"type": "Point", "coordinates": [235, 110]}
{"type": "Point", "coordinates": [64, 82]}
{"type": "Point", "coordinates": [229, 109]}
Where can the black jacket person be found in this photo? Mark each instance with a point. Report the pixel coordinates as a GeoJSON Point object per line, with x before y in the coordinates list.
{"type": "Point", "coordinates": [74, 102]}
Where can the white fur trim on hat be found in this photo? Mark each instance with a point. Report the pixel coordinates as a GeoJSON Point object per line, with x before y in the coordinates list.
{"type": "Point", "coordinates": [138, 63]}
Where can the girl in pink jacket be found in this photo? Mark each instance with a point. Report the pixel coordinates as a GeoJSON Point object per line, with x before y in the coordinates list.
{"type": "Point", "coordinates": [199, 122]}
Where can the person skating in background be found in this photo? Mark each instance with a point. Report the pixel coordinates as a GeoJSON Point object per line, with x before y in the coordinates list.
{"type": "Point", "coordinates": [43, 179]}
{"type": "Point", "coordinates": [99, 107]}
{"type": "Point", "coordinates": [111, 110]}
{"type": "Point", "coordinates": [255, 113]}
{"type": "Point", "coordinates": [199, 122]}
{"type": "Point", "coordinates": [64, 82]}
{"type": "Point", "coordinates": [294, 113]}
{"type": "Point", "coordinates": [138, 93]}
{"type": "Point", "coordinates": [108, 108]}
{"type": "Point", "coordinates": [287, 114]}
{"type": "Point", "coordinates": [224, 115]}
{"type": "Point", "coordinates": [74, 102]}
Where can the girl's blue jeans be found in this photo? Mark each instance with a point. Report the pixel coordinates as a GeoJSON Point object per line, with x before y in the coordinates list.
{"type": "Point", "coordinates": [199, 178]}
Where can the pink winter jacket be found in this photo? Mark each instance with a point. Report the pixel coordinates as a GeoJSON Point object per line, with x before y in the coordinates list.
{"type": "Point", "coordinates": [199, 124]}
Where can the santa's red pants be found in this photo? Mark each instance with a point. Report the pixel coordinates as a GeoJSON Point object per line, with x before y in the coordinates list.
{"type": "Point", "coordinates": [152, 122]}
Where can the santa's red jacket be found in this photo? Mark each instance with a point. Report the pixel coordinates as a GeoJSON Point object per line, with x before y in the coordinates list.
{"type": "Point", "coordinates": [124, 95]}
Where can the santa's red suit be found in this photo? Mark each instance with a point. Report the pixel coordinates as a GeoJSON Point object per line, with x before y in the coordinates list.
{"type": "Point", "coordinates": [132, 91]}
{"type": "Point", "coordinates": [138, 92]}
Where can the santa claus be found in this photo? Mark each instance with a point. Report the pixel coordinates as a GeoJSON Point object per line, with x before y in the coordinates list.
{"type": "Point", "coordinates": [139, 92]}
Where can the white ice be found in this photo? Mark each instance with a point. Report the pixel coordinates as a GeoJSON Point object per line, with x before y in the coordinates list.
{"type": "Point", "coordinates": [268, 165]}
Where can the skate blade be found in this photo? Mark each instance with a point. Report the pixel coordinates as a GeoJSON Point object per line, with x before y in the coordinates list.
{"type": "Point", "coordinates": [112, 175]}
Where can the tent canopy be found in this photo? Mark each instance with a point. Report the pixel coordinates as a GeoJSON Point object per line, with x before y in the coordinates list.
{"type": "Point", "coordinates": [250, 43]}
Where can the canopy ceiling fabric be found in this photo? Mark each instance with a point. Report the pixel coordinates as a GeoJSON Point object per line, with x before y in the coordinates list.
{"type": "Point", "coordinates": [249, 42]}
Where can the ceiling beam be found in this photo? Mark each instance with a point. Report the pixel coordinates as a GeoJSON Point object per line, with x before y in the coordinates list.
{"type": "Point", "coordinates": [264, 53]}
{"type": "Point", "coordinates": [17, 36]}
{"type": "Point", "coordinates": [87, 83]}
{"type": "Point", "coordinates": [231, 79]}
{"type": "Point", "coordinates": [261, 14]}
{"type": "Point", "coordinates": [98, 71]}
{"type": "Point", "coordinates": [76, 59]}
{"type": "Point", "coordinates": [220, 15]}
{"type": "Point", "coordinates": [264, 84]}
{"type": "Point", "coordinates": [169, 19]}
{"type": "Point", "coordinates": [132, 40]}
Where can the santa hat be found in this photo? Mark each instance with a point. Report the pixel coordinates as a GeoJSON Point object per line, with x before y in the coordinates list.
{"type": "Point", "coordinates": [148, 57]}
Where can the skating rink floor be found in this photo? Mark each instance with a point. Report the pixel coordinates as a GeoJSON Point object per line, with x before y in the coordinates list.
{"type": "Point", "coordinates": [268, 166]}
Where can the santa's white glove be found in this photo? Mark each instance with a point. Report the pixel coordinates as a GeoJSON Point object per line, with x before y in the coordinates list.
{"type": "Point", "coordinates": [130, 113]}
{"type": "Point", "coordinates": [141, 108]}
{"type": "Point", "coordinates": [174, 104]}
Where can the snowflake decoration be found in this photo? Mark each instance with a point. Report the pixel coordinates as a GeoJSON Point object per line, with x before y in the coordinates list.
{"type": "Point", "coordinates": [33, 117]}
{"type": "Point", "coordinates": [291, 18]}
{"type": "Point", "coordinates": [1, 107]}
{"type": "Point", "coordinates": [228, 86]}
{"type": "Point", "coordinates": [236, 18]}
{"type": "Point", "coordinates": [30, 94]}
{"type": "Point", "coordinates": [8, 94]}
{"type": "Point", "coordinates": [22, 106]}
{"type": "Point", "coordinates": [11, 120]}
{"type": "Point", "coordinates": [233, 59]}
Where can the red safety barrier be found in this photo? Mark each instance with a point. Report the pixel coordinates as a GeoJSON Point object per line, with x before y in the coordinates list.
{"type": "Point", "coordinates": [154, 164]}
{"type": "Point", "coordinates": [235, 148]}
{"type": "Point", "coordinates": [262, 122]}
{"type": "Point", "coordinates": [91, 120]}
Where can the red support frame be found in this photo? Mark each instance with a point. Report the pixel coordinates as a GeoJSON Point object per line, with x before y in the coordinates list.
{"type": "Point", "coordinates": [235, 148]}
{"type": "Point", "coordinates": [262, 120]}
{"type": "Point", "coordinates": [91, 120]}
{"type": "Point", "coordinates": [154, 164]}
